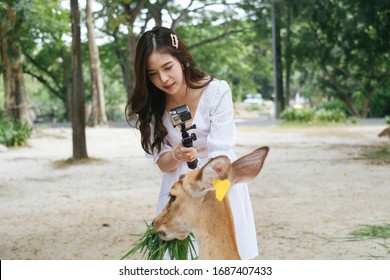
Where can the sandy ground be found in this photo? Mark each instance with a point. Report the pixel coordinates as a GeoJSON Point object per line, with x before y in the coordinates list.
{"type": "Point", "coordinates": [314, 190]}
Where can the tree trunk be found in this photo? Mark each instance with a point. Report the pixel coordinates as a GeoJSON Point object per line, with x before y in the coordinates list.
{"type": "Point", "coordinates": [131, 12]}
{"type": "Point", "coordinates": [131, 46]}
{"type": "Point", "coordinates": [98, 113]}
{"type": "Point", "coordinates": [277, 54]}
{"type": "Point", "coordinates": [22, 110]}
{"type": "Point", "coordinates": [365, 107]}
{"type": "Point", "coordinates": [78, 96]}
{"type": "Point", "coordinates": [15, 96]}
{"type": "Point", "coordinates": [9, 99]}
{"type": "Point", "coordinates": [349, 105]}
{"type": "Point", "coordinates": [66, 89]}
{"type": "Point", "coordinates": [288, 54]}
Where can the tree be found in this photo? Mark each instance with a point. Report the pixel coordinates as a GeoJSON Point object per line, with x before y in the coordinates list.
{"type": "Point", "coordinates": [15, 101]}
{"type": "Point", "coordinates": [137, 15]}
{"type": "Point", "coordinates": [78, 98]}
{"type": "Point", "coordinates": [98, 113]}
{"type": "Point", "coordinates": [48, 54]}
{"type": "Point", "coordinates": [347, 41]}
{"type": "Point", "coordinates": [119, 14]}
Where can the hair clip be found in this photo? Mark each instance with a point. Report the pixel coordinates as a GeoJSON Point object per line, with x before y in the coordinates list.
{"type": "Point", "coordinates": [175, 41]}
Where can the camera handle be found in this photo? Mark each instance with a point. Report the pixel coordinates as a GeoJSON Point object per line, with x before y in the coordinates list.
{"type": "Point", "coordinates": [187, 140]}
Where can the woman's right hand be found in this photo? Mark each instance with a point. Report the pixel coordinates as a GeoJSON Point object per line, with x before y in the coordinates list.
{"type": "Point", "coordinates": [181, 153]}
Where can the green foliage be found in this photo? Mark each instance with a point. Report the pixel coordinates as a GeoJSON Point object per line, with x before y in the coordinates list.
{"type": "Point", "coordinates": [387, 119]}
{"type": "Point", "coordinates": [14, 133]}
{"type": "Point", "coordinates": [238, 58]}
{"type": "Point", "coordinates": [154, 248]}
{"type": "Point", "coordinates": [335, 49]}
{"type": "Point", "coordinates": [43, 103]}
{"type": "Point", "coordinates": [295, 115]}
{"type": "Point", "coordinates": [354, 120]}
{"type": "Point", "coordinates": [308, 115]}
{"type": "Point", "coordinates": [371, 232]}
{"type": "Point", "coordinates": [335, 115]}
{"type": "Point", "coordinates": [334, 104]}
{"type": "Point", "coordinates": [380, 103]}
{"type": "Point", "coordinates": [341, 48]}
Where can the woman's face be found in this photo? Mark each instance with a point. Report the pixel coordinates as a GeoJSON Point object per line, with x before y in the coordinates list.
{"type": "Point", "coordinates": [165, 72]}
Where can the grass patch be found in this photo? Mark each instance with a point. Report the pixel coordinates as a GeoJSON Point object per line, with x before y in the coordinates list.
{"type": "Point", "coordinates": [154, 248]}
{"type": "Point", "coordinates": [366, 232]}
{"type": "Point", "coordinates": [65, 163]}
{"type": "Point", "coordinates": [14, 133]}
{"type": "Point", "coordinates": [377, 155]}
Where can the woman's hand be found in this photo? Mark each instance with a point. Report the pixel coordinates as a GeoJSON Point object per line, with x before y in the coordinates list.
{"type": "Point", "coordinates": [171, 160]}
{"type": "Point", "coordinates": [181, 153]}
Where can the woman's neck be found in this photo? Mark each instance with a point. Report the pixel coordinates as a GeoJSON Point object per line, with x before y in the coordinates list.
{"type": "Point", "coordinates": [177, 99]}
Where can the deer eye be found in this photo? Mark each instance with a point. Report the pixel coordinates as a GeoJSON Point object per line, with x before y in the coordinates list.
{"type": "Point", "coordinates": [172, 199]}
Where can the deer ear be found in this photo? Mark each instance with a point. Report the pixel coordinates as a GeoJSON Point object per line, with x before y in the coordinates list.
{"type": "Point", "coordinates": [217, 168]}
{"type": "Point", "coordinates": [248, 166]}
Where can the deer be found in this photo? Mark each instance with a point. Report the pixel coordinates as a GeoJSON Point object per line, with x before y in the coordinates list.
{"type": "Point", "coordinates": [385, 132]}
{"type": "Point", "coordinates": [193, 206]}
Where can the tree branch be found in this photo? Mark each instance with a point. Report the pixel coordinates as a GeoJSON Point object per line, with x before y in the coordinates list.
{"type": "Point", "coordinates": [348, 74]}
{"type": "Point", "coordinates": [131, 14]}
{"type": "Point", "coordinates": [216, 38]}
{"type": "Point", "coordinates": [382, 80]}
{"type": "Point", "coordinates": [46, 83]}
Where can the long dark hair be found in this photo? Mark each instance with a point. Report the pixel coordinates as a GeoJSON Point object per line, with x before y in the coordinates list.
{"type": "Point", "coordinates": [147, 103]}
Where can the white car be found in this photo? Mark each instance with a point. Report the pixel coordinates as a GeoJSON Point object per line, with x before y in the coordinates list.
{"type": "Point", "coordinates": [254, 99]}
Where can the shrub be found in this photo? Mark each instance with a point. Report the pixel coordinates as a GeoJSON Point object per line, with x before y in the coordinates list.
{"type": "Point", "coordinates": [14, 133]}
{"type": "Point", "coordinates": [387, 119]}
{"type": "Point", "coordinates": [354, 120]}
{"type": "Point", "coordinates": [335, 115]}
{"type": "Point", "coordinates": [331, 105]}
{"type": "Point", "coordinates": [309, 115]}
{"type": "Point", "coordinates": [294, 115]}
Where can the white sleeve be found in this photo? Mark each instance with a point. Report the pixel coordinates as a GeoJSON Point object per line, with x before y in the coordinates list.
{"type": "Point", "coordinates": [223, 135]}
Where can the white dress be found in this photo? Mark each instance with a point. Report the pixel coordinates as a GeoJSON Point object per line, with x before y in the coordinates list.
{"type": "Point", "coordinates": [216, 135]}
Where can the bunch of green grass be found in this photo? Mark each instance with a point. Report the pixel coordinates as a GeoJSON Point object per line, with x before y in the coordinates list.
{"type": "Point", "coordinates": [153, 247]}
{"type": "Point", "coordinates": [371, 232]}
{"type": "Point", "coordinates": [14, 133]}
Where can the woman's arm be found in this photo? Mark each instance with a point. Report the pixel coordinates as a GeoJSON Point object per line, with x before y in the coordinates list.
{"type": "Point", "coordinates": [171, 160]}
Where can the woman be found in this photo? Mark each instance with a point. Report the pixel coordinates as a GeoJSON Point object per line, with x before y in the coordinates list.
{"type": "Point", "coordinates": [166, 77]}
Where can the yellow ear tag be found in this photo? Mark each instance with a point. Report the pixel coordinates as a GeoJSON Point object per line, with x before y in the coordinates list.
{"type": "Point", "coordinates": [221, 188]}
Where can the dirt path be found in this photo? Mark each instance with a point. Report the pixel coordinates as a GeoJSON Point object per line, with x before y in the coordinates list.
{"type": "Point", "coordinates": [313, 191]}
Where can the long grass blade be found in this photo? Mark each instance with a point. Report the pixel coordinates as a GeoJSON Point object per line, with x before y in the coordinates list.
{"type": "Point", "coordinates": [152, 247]}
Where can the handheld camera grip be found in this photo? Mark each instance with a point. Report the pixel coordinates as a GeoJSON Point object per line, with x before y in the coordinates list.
{"type": "Point", "coordinates": [187, 142]}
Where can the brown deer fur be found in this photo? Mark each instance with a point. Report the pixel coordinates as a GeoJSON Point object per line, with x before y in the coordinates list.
{"type": "Point", "coordinates": [193, 206]}
{"type": "Point", "coordinates": [385, 132]}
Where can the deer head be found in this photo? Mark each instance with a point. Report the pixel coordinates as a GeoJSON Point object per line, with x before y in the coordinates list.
{"type": "Point", "coordinates": [193, 207]}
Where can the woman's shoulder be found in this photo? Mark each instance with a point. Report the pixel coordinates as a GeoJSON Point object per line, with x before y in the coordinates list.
{"type": "Point", "coordinates": [217, 87]}
{"type": "Point", "coordinates": [215, 91]}
{"type": "Point", "coordinates": [215, 83]}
